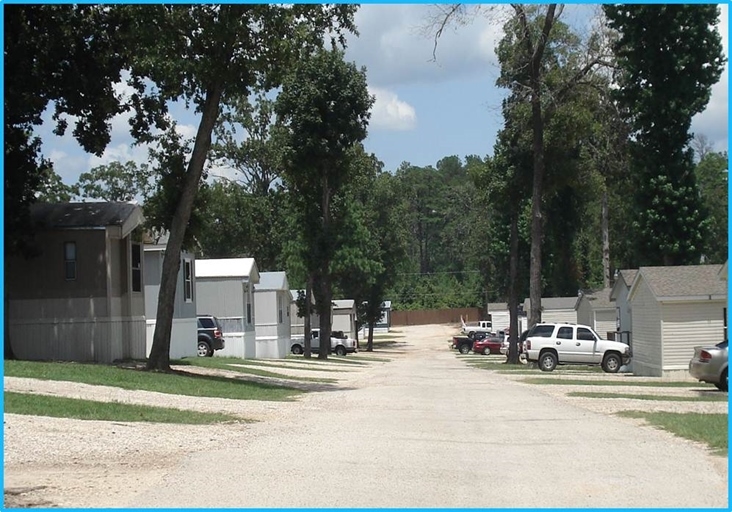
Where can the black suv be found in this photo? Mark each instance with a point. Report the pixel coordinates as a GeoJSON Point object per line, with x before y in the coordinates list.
{"type": "Point", "coordinates": [209, 335]}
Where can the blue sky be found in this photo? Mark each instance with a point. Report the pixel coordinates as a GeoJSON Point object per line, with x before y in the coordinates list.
{"type": "Point", "coordinates": [425, 109]}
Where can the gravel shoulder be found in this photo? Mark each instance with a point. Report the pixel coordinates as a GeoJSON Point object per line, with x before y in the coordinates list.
{"type": "Point", "coordinates": [398, 431]}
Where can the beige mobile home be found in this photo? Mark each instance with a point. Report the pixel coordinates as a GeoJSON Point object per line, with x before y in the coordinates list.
{"type": "Point", "coordinates": [80, 297]}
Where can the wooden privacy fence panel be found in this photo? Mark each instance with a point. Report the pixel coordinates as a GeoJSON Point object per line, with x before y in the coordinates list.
{"type": "Point", "coordinates": [435, 316]}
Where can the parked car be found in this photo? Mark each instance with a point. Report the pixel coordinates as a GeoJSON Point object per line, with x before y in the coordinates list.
{"type": "Point", "coordinates": [484, 326]}
{"type": "Point", "coordinates": [340, 345]}
{"type": "Point", "coordinates": [210, 335]}
{"type": "Point", "coordinates": [709, 364]}
{"type": "Point", "coordinates": [550, 344]}
{"type": "Point", "coordinates": [488, 345]}
{"type": "Point", "coordinates": [521, 340]}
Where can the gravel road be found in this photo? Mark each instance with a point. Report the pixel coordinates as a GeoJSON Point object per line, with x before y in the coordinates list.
{"type": "Point", "coordinates": [421, 430]}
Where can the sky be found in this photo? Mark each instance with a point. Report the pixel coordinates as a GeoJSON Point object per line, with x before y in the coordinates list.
{"type": "Point", "coordinates": [426, 107]}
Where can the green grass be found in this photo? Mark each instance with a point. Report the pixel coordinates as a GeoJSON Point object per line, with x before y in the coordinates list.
{"type": "Point", "coordinates": [503, 367]}
{"type": "Point", "coordinates": [665, 398]}
{"type": "Point", "coordinates": [177, 383]}
{"type": "Point", "coordinates": [226, 363]}
{"type": "Point", "coordinates": [710, 429]}
{"type": "Point", "coordinates": [61, 407]}
{"type": "Point", "coordinates": [624, 382]}
{"type": "Point", "coordinates": [331, 360]}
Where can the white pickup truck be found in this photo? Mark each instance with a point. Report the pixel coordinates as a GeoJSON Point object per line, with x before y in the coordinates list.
{"type": "Point", "coordinates": [340, 344]}
{"type": "Point", "coordinates": [551, 344]}
{"type": "Point", "coordinates": [471, 328]}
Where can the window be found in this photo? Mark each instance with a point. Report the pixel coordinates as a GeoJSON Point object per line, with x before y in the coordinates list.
{"type": "Point", "coordinates": [206, 323]}
{"type": "Point", "coordinates": [565, 333]}
{"type": "Point", "coordinates": [542, 331]}
{"type": "Point", "coordinates": [136, 268]}
{"type": "Point", "coordinates": [280, 308]}
{"type": "Point", "coordinates": [249, 313]}
{"type": "Point", "coordinates": [187, 280]}
{"type": "Point", "coordinates": [70, 260]}
{"type": "Point", "coordinates": [585, 334]}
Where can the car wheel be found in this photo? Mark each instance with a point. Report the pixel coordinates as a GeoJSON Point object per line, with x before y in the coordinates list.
{"type": "Point", "coordinates": [471, 334]}
{"type": "Point", "coordinates": [340, 350]}
{"type": "Point", "coordinates": [296, 349]}
{"type": "Point", "coordinates": [611, 363]}
{"type": "Point", "coordinates": [722, 384]}
{"type": "Point", "coordinates": [464, 348]}
{"type": "Point", "coordinates": [486, 351]}
{"type": "Point", "coordinates": [547, 361]}
{"type": "Point", "coordinates": [204, 350]}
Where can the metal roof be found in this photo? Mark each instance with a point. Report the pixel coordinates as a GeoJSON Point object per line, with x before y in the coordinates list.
{"type": "Point", "coordinates": [273, 281]}
{"type": "Point", "coordinates": [245, 268]}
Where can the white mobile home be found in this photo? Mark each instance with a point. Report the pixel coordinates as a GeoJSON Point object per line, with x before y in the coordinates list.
{"type": "Point", "coordinates": [272, 300]}
{"type": "Point", "coordinates": [675, 309]}
{"type": "Point", "coordinates": [184, 334]}
{"type": "Point", "coordinates": [225, 289]}
{"type": "Point", "coordinates": [556, 309]}
{"type": "Point", "coordinates": [344, 317]}
{"type": "Point", "coordinates": [297, 322]}
{"type": "Point", "coordinates": [595, 309]}
{"type": "Point", "coordinates": [500, 317]}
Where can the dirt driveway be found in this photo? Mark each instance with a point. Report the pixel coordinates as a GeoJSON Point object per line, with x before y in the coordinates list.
{"type": "Point", "coordinates": [421, 429]}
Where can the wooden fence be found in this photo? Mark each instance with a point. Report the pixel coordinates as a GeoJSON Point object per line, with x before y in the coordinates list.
{"type": "Point", "coordinates": [435, 316]}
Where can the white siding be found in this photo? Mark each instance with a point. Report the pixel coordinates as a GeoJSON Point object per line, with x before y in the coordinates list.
{"type": "Point", "coordinates": [273, 336]}
{"type": "Point", "coordinates": [604, 321]}
{"type": "Point", "coordinates": [183, 337]}
{"type": "Point", "coordinates": [343, 320]}
{"type": "Point", "coordinates": [559, 315]}
{"type": "Point", "coordinates": [584, 313]}
{"type": "Point", "coordinates": [623, 310]}
{"type": "Point", "coordinates": [647, 336]}
{"type": "Point", "coordinates": [499, 320]}
{"type": "Point", "coordinates": [686, 325]}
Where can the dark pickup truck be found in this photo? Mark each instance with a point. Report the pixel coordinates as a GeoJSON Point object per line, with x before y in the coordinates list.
{"type": "Point", "coordinates": [464, 344]}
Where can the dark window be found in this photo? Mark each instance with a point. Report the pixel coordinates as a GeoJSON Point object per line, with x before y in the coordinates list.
{"type": "Point", "coordinates": [70, 260]}
{"type": "Point", "coordinates": [136, 268]}
{"type": "Point", "coordinates": [565, 333]}
{"type": "Point", "coordinates": [585, 334]}
{"type": "Point", "coordinates": [187, 281]}
{"type": "Point", "coordinates": [542, 331]}
{"type": "Point", "coordinates": [249, 313]}
{"type": "Point", "coordinates": [206, 323]}
{"type": "Point", "coordinates": [725, 324]}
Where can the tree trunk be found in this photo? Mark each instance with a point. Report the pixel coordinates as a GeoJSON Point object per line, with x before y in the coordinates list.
{"type": "Point", "coordinates": [513, 355]}
{"type": "Point", "coordinates": [370, 343]}
{"type": "Point", "coordinates": [537, 125]}
{"type": "Point", "coordinates": [324, 272]}
{"type": "Point", "coordinates": [7, 345]}
{"type": "Point", "coordinates": [605, 242]}
{"type": "Point", "coordinates": [307, 351]}
{"type": "Point", "coordinates": [160, 352]}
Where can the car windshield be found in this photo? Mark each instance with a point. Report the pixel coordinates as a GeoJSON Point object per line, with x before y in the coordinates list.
{"type": "Point", "coordinates": [722, 345]}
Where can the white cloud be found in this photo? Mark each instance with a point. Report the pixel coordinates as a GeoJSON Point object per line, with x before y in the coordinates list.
{"type": "Point", "coordinates": [187, 131]}
{"type": "Point", "coordinates": [120, 153]}
{"type": "Point", "coordinates": [391, 113]}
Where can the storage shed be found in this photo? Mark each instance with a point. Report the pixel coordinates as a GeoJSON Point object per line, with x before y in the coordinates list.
{"type": "Point", "coordinates": [674, 310]}
{"type": "Point", "coordinates": [498, 312]}
{"type": "Point", "coordinates": [619, 296]}
{"type": "Point", "coordinates": [556, 309]}
{"type": "Point", "coordinates": [80, 296]}
{"type": "Point", "coordinates": [272, 301]}
{"type": "Point", "coordinates": [344, 317]}
{"type": "Point", "coordinates": [184, 333]}
{"type": "Point", "coordinates": [225, 289]}
{"type": "Point", "coordinates": [595, 309]}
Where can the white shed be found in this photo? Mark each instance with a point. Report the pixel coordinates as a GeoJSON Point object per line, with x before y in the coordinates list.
{"type": "Point", "coordinates": [674, 310]}
{"type": "Point", "coordinates": [272, 301]}
{"type": "Point", "coordinates": [556, 309]}
{"type": "Point", "coordinates": [225, 288]}
{"type": "Point", "coordinates": [344, 317]}
{"type": "Point", "coordinates": [619, 296]}
{"type": "Point", "coordinates": [595, 309]}
{"type": "Point", "coordinates": [500, 317]}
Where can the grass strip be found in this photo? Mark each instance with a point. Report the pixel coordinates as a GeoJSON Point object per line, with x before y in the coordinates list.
{"type": "Point", "coordinates": [710, 429]}
{"type": "Point", "coordinates": [176, 383]}
{"type": "Point", "coordinates": [369, 359]}
{"type": "Point", "coordinates": [664, 398]}
{"type": "Point", "coordinates": [625, 382]}
{"type": "Point", "coordinates": [62, 407]}
{"type": "Point", "coordinates": [258, 364]}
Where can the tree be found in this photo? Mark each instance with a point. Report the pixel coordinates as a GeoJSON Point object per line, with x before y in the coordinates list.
{"type": "Point", "coordinates": [711, 175]}
{"type": "Point", "coordinates": [669, 56]}
{"type": "Point", "coordinates": [208, 55]}
{"type": "Point", "coordinates": [116, 182]}
{"type": "Point", "coordinates": [324, 105]}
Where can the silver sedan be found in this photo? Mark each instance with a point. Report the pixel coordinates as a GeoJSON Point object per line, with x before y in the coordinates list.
{"type": "Point", "coordinates": [709, 364]}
